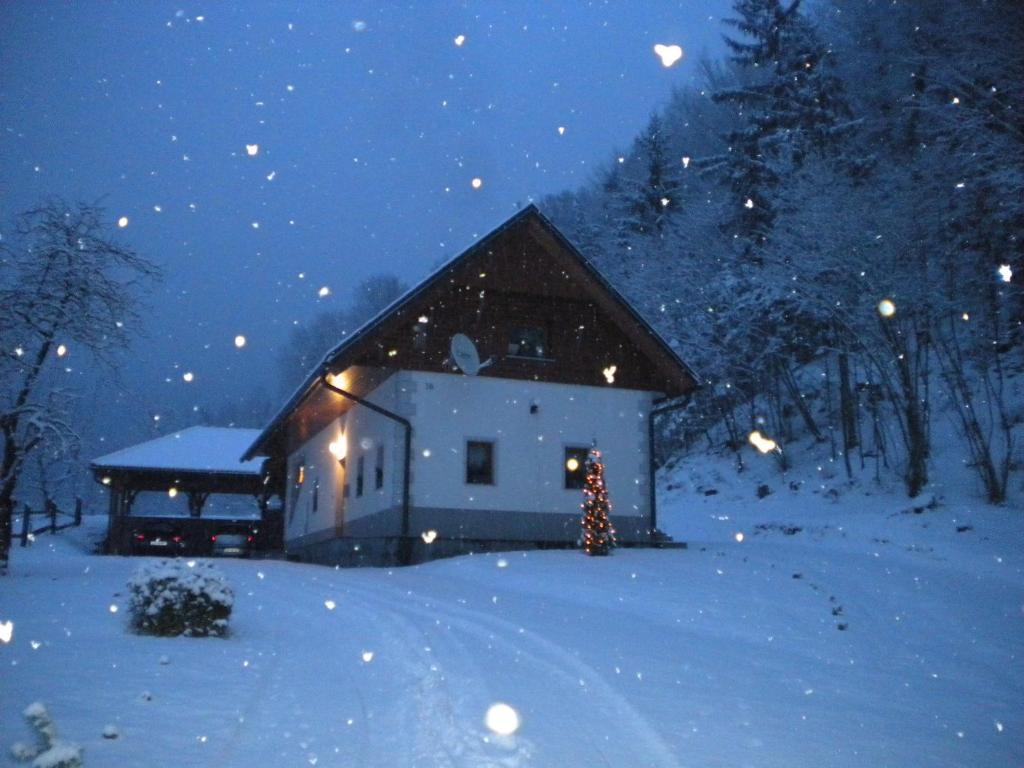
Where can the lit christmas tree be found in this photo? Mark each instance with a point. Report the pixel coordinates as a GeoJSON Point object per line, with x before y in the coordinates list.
{"type": "Point", "coordinates": [598, 534]}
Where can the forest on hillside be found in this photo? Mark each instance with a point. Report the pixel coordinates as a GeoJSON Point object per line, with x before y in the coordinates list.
{"type": "Point", "coordinates": [845, 189]}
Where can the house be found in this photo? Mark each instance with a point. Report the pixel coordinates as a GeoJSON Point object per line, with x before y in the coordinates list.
{"type": "Point", "coordinates": [401, 445]}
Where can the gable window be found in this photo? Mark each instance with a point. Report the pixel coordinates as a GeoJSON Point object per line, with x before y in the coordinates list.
{"type": "Point", "coordinates": [360, 466]}
{"type": "Point", "coordinates": [479, 462]}
{"type": "Point", "coordinates": [528, 341]}
{"type": "Point", "coordinates": [378, 471]}
{"type": "Point", "coordinates": [575, 467]}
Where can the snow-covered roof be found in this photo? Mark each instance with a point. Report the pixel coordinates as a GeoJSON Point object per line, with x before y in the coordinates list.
{"type": "Point", "coordinates": [371, 325]}
{"type": "Point", "coordinates": [215, 450]}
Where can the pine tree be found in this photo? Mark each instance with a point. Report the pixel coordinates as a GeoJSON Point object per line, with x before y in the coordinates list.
{"type": "Point", "coordinates": [598, 534]}
{"type": "Point", "coordinates": [790, 105]}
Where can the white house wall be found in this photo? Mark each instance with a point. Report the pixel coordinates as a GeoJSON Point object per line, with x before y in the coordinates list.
{"type": "Point", "coordinates": [528, 499]}
{"type": "Point", "coordinates": [360, 431]}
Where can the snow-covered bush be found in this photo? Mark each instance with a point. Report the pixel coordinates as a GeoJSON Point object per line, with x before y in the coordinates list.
{"type": "Point", "coordinates": [49, 751]}
{"type": "Point", "coordinates": [175, 597]}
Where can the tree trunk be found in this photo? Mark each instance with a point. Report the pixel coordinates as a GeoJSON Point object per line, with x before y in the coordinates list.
{"type": "Point", "coordinates": [847, 404]}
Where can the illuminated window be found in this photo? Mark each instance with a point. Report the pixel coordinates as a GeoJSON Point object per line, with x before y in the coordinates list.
{"type": "Point", "coordinates": [479, 462]}
{"type": "Point", "coordinates": [528, 342]}
{"type": "Point", "coordinates": [575, 467]}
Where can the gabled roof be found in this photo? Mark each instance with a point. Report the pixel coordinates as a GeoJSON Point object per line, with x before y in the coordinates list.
{"type": "Point", "coordinates": [336, 358]}
{"type": "Point", "coordinates": [203, 450]}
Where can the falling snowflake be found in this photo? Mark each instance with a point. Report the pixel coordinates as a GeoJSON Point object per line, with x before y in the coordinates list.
{"type": "Point", "coordinates": [122, 222]}
{"type": "Point", "coordinates": [323, 292]}
{"type": "Point", "coordinates": [886, 308]}
{"type": "Point", "coordinates": [367, 656]}
{"type": "Point", "coordinates": [6, 631]}
{"type": "Point", "coordinates": [459, 39]}
{"type": "Point", "coordinates": [1005, 273]}
{"type": "Point", "coordinates": [252, 149]}
{"type": "Point", "coordinates": [686, 162]}
{"type": "Point", "coordinates": [763, 444]}
{"type": "Point", "coordinates": [330, 605]}
{"type": "Point", "coordinates": [669, 54]}
{"type": "Point", "coordinates": [429, 536]}
{"type": "Point", "coordinates": [188, 376]}
{"type": "Point", "coordinates": [61, 350]}
{"type": "Point", "coordinates": [239, 341]}
{"type": "Point", "coordinates": [502, 719]}
{"type": "Point", "coordinates": [477, 182]}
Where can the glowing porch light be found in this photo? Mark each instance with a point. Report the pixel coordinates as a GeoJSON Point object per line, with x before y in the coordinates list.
{"type": "Point", "coordinates": [338, 448]}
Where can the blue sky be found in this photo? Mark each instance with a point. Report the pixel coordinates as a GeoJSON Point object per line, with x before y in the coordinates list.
{"type": "Point", "coordinates": [371, 123]}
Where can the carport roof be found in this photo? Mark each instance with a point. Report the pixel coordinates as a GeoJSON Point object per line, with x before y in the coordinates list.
{"type": "Point", "coordinates": [196, 450]}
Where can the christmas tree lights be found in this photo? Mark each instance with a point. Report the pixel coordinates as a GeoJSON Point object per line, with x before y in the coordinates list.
{"type": "Point", "coordinates": [598, 534]}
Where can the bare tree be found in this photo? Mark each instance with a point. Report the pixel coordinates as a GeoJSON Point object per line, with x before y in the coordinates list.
{"type": "Point", "coordinates": [66, 288]}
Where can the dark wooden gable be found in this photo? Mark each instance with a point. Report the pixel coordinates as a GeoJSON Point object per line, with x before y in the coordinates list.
{"type": "Point", "coordinates": [523, 279]}
{"type": "Point", "coordinates": [525, 274]}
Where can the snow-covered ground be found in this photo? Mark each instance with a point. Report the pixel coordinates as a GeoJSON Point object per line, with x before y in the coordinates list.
{"type": "Point", "coordinates": [844, 628]}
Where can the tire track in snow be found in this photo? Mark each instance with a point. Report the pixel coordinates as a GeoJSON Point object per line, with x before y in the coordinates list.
{"type": "Point", "coordinates": [446, 728]}
{"type": "Point", "coordinates": [551, 660]}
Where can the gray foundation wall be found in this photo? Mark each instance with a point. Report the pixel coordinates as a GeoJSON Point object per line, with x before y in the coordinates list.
{"type": "Point", "coordinates": [376, 539]}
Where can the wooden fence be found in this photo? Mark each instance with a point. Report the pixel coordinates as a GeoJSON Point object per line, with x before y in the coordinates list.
{"type": "Point", "coordinates": [51, 513]}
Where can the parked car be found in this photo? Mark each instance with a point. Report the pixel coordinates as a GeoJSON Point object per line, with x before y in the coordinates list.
{"type": "Point", "coordinates": [159, 538]}
{"type": "Point", "coordinates": [232, 544]}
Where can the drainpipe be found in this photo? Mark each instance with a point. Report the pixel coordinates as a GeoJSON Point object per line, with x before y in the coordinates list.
{"type": "Point", "coordinates": [408, 443]}
{"type": "Point", "coordinates": [658, 411]}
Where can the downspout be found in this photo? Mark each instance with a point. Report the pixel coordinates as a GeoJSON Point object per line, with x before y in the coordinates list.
{"type": "Point", "coordinates": [658, 411]}
{"type": "Point", "coordinates": [406, 424]}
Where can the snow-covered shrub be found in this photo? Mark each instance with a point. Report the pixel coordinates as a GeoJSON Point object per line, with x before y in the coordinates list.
{"type": "Point", "coordinates": [49, 751]}
{"type": "Point", "coordinates": [176, 597]}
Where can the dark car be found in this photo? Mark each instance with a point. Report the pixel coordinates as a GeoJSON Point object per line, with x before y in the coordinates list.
{"type": "Point", "coordinates": [159, 539]}
{"type": "Point", "coordinates": [232, 544]}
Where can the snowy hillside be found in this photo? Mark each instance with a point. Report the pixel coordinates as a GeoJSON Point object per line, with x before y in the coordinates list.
{"type": "Point", "coordinates": [843, 628]}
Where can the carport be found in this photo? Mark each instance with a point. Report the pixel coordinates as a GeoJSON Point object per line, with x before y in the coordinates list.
{"type": "Point", "coordinates": [195, 463]}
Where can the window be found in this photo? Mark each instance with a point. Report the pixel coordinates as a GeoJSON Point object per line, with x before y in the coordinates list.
{"type": "Point", "coordinates": [479, 462]}
{"type": "Point", "coordinates": [360, 465]}
{"type": "Point", "coordinates": [293, 496]}
{"type": "Point", "coordinates": [528, 342]}
{"type": "Point", "coordinates": [378, 472]}
{"type": "Point", "coordinates": [575, 467]}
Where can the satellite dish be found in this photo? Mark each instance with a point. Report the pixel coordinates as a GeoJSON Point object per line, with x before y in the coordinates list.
{"type": "Point", "coordinates": [464, 354]}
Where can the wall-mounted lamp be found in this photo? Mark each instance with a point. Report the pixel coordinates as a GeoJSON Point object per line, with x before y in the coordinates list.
{"type": "Point", "coordinates": [338, 450]}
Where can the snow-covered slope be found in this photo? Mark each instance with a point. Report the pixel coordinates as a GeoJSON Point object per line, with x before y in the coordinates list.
{"type": "Point", "coordinates": [846, 627]}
